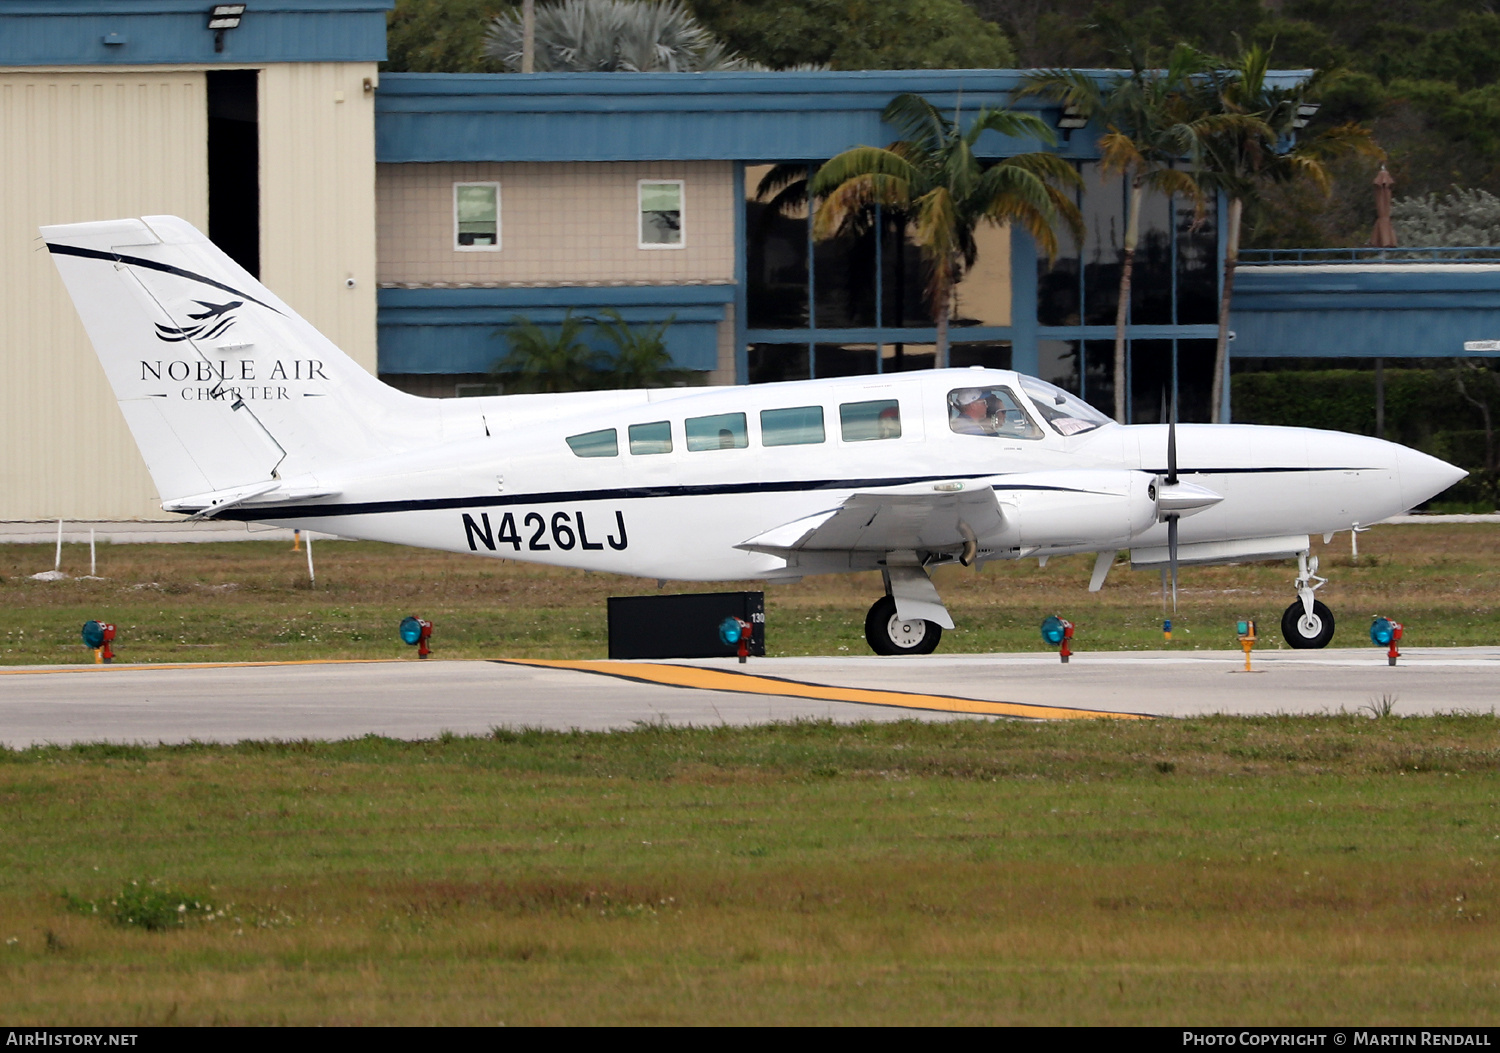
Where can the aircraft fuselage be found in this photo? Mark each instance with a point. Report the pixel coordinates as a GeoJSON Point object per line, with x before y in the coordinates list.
{"type": "Point", "coordinates": [672, 505]}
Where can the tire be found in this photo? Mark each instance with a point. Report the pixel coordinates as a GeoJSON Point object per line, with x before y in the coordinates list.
{"type": "Point", "coordinates": [889, 635]}
{"type": "Point", "coordinates": [1303, 634]}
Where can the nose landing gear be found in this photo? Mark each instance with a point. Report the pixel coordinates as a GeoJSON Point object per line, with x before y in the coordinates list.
{"type": "Point", "coordinates": [1308, 623]}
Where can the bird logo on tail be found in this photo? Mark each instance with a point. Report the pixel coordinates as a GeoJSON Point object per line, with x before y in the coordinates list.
{"type": "Point", "coordinates": [213, 320]}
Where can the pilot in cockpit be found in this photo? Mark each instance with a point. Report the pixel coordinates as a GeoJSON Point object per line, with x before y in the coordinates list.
{"type": "Point", "coordinates": [971, 412]}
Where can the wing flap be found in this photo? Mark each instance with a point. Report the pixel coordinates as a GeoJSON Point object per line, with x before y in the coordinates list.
{"type": "Point", "coordinates": [889, 521]}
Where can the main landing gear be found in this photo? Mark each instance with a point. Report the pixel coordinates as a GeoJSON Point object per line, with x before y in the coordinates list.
{"type": "Point", "coordinates": [1308, 623]}
{"type": "Point", "coordinates": [910, 617]}
{"type": "Point", "coordinates": [890, 634]}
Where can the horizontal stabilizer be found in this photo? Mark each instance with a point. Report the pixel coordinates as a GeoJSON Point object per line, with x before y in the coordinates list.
{"type": "Point", "coordinates": [206, 506]}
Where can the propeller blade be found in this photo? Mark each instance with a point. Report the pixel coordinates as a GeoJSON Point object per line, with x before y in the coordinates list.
{"type": "Point", "coordinates": [1172, 443]}
{"type": "Point", "coordinates": [1172, 556]}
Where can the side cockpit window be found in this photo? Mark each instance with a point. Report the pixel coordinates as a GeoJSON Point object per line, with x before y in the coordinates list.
{"type": "Point", "coordinates": [595, 444]}
{"type": "Point", "coordinates": [993, 411]}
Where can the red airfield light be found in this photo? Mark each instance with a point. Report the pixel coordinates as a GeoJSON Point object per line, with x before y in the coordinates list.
{"type": "Point", "coordinates": [1059, 632]}
{"type": "Point", "coordinates": [1385, 631]}
{"type": "Point", "coordinates": [417, 631]}
{"type": "Point", "coordinates": [734, 630]}
{"type": "Point", "coordinates": [99, 636]}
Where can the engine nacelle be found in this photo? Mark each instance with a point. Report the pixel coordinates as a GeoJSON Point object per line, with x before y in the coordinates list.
{"type": "Point", "coordinates": [1100, 509]}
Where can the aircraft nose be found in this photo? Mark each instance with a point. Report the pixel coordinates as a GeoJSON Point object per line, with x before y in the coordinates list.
{"type": "Point", "coordinates": [1424, 477]}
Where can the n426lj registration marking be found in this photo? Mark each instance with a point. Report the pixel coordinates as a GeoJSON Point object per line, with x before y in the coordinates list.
{"type": "Point", "coordinates": [544, 531]}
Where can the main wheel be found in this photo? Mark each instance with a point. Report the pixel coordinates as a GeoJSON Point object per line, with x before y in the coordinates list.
{"type": "Point", "coordinates": [888, 633]}
{"type": "Point", "coordinates": [1306, 633]}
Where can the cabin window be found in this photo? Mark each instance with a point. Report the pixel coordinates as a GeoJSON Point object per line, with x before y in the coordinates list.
{"type": "Point", "coordinates": [595, 444]}
{"type": "Point", "coordinates": [797, 426]}
{"type": "Point", "coordinates": [476, 217]}
{"type": "Point", "coordinates": [722, 431]}
{"type": "Point", "coordinates": [864, 421]}
{"type": "Point", "coordinates": [651, 438]}
{"type": "Point", "coordinates": [992, 411]}
{"type": "Point", "coordinates": [661, 214]}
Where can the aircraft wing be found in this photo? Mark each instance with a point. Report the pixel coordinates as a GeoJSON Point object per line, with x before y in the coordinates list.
{"type": "Point", "coordinates": [931, 518]}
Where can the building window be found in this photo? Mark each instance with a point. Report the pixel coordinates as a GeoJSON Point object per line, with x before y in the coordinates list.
{"type": "Point", "coordinates": [476, 217]}
{"type": "Point", "coordinates": [661, 214]}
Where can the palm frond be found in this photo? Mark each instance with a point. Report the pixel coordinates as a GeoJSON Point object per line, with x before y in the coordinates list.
{"type": "Point", "coordinates": [1343, 139]}
{"type": "Point", "coordinates": [1031, 182]}
{"type": "Point", "coordinates": [1070, 87]}
{"type": "Point", "coordinates": [849, 205]}
{"type": "Point", "coordinates": [862, 161]}
{"type": "Point", "coordinates": [1119, 154]}
{"type": "Point", "coordinates": [1176, 181]}
{"type": "Point", "coordinates": [916, 120]}
{"type": "Point", "coordinates": [779, 178]}
{"type": "Point", "coordinates": [1012, 124]}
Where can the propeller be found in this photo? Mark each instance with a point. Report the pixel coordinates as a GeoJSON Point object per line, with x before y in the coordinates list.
{"type": "Point", "coordinates": [1171, 480]}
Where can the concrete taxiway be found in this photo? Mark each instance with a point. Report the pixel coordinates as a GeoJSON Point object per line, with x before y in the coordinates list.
{"type": "Point", "coordinates": [410, 699]}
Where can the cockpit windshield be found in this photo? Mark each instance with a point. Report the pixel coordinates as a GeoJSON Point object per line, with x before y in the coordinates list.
{"type": "Point", "coordinates": [1068, 414]}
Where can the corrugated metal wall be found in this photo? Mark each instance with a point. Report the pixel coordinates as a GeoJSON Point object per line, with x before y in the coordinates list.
{"type": "Point", "coordinates": [80, 146]}
{"type": "Point", "coordinates": [317, 197]}
{"type": "Point", "coordinates": [95, 144]}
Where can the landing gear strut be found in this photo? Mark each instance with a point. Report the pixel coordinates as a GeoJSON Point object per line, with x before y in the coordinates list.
{"type": "Point", "coordinates": [890, 634]}
{"type": "Point", "coordinates": [1308, 623]}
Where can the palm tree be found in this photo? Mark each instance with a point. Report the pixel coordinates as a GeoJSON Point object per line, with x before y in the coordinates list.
{"type": "Point", "coordinates": [1246, 151]}
{"type": "Point", "coordinates": [543, 360]}
{"type": "Point", "coordinates": [932, 176]}
{"type": "Point", "coordinates": [609, 36]}
{"type": "Point", "coordinates": [1154, 120]}
{"type": "Point", "coordinates": [640, 358]}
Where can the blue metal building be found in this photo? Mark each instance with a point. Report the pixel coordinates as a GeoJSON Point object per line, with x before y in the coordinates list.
{"type": "Point", "coordinates": [799, 308]}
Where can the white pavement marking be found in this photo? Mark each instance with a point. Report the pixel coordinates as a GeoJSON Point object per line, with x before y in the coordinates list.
{"type": "Point", "coordinates": [423, 699]}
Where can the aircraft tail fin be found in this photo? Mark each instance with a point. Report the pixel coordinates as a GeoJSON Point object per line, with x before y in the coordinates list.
{"type": "Point", "coordinates": [229, 394]}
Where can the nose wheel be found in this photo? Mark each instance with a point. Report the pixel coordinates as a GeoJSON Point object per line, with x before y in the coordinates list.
{"type": "Point", "coordinates": [890, 634]}
{"type": "Point", "coordinates": [1308, 623]}
{"type": "Point", "coordinates": [1306, 631]}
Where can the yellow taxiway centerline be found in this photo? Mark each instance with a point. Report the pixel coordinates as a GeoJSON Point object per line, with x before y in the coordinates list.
{"type": "Point", "coordinates": [752, 684]}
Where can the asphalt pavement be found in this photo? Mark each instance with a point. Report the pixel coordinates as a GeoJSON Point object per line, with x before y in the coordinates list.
{"type": "Point", "coordinates": [416, 699]}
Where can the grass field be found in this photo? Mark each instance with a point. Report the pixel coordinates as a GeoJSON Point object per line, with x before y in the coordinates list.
{"type": "Point", "coordinates": [1336, 869]}
{"type": "Point", "coordinates": [1221, 871]}
{"type": "Point", "coordinates": [252, 601]}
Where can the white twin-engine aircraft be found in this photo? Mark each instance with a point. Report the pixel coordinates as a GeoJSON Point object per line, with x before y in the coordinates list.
{"type": "Point", "coordinates": [244, 411]}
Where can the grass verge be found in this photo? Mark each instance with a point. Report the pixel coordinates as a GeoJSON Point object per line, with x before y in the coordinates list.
{"type": "Point", "coordinates": [1216, 871]}
{"type": "Point", "coordinates": [248, 601]}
